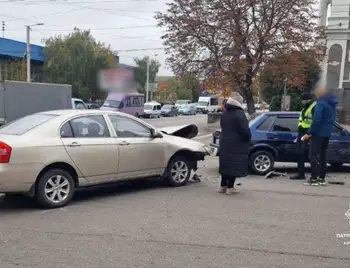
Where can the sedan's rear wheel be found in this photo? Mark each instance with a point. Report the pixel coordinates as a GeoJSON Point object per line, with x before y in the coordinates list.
{"type": "Point", "coordinates": [178, 171]}
{"type": "Point", "coordinates": [55, 188]}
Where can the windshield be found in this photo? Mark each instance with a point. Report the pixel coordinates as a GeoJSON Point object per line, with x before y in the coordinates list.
{"type": "Point", "coordinates": [181, 102]}
{"type": "Point", "coordinates": [186, 106]}
{"type": "Point", "coordinates": [166, 107]}
{"type": "Point", "coordinates": [252, 122]}
{"type": "Point", "coordinates": [148, 107]}
{"type": "Point", "coordinates": [202, 103]}
{"type": "Point", "coordinates": [111, 103]}
{"type": "Point", "coordinates": [24, 124]}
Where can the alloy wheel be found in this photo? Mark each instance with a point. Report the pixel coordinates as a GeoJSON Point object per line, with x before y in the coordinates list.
{"type": "Point", "coordinates": [262, 163]}
{"type": "Point", "coordinates": [179, 171]}
{"type": "Point", "coordinates": [57, 189]}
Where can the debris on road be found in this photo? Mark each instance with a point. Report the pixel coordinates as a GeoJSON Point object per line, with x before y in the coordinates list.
{"type": "Point", "coordinates": [274, 173]}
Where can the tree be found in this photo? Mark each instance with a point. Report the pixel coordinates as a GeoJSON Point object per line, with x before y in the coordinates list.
{"type": "Point", "coordinates": [178, 86]}
{"type": "Point", "coordinates": [231, 39]}
{"type": "Point", "coordinates": [295, 103]}
{"type": "Point", "coordinates": [300, 67]}
{"type": "Point", "coordinates": [76, 59]}
{"type": "Point", "coordinates": [141, 76]}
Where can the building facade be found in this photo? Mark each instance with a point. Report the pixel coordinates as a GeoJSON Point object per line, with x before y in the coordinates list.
{"type": "Point", "coordinates": [336, 67]}
{"type": "Point", "coordinates": [13, 60]}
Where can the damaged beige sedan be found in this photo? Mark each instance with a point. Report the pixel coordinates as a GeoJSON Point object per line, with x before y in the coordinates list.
{"type": "Point", "coordinates": [49, 155]}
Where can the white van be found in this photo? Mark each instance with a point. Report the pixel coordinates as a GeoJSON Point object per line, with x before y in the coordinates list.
{"type": "Point", "coordinates": [78, 104]}
{"type": "Point", "coordinates": [152, 109]}
{"type": "Point", "coordinates": [207, 104]}
{"type": "Point", "coordinates": [179, 103]}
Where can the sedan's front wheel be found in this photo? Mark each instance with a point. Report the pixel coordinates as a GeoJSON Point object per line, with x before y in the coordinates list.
{"type": "Point", "coordinates": [178, 171]}
{"type": "Point", "coordinates": [55, 188]}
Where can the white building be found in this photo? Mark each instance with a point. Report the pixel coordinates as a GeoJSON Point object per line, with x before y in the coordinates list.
{"type": "Point", "coordinates": [336, 69]}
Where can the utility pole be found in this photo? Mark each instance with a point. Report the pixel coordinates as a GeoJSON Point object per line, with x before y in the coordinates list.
{"type": "Point", "coordinates": [28, 53]}
{"type": "Point", "coordinates": [3, 29]}
{"type": "Point", "coordinates": [284, 94]}
{"type": "Point", "coordinates": [28, 56]}
{"type": "Point", "coordinates": [147, 81]}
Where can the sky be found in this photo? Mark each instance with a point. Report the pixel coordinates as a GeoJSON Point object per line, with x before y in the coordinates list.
{"type": "Point", "coordinates": [122, 24]}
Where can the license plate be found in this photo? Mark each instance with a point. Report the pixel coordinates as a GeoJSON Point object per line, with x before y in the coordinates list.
{"type": "Point", "coordinates": [217, 141]}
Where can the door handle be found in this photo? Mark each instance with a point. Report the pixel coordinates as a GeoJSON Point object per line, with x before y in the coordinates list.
{"type": "Point", "coordinates": [124, 143]}
{"type": "Point", "coordinates": [74, 144]}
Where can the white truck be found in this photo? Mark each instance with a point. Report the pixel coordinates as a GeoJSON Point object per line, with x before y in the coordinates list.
{"type": "Point", "coordinates": [207, 104]}
{"type": "Point", "coordinates": [18, 99]}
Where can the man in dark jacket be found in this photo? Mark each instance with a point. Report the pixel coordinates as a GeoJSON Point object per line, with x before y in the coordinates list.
{"type": "Point", "coordinates": [305, 121]}
{"type": "Point", "coordinates": [319, 133]}
{"type": "Point", "coordinates": [234, 144]}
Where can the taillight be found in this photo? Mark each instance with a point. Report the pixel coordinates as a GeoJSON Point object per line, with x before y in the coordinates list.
{"type": "Point", "coordinates": [5, 152]}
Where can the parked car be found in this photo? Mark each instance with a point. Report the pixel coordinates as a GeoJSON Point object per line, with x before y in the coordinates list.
{"type": "Point", "coordinates": [49, 155]}
{"type": "Point", "coordinates": [273, 140]}
{"type": "Point", "coordinates": [169, 110]}
{"type": "Point", "coordinates": [152, 109]}
{"type": "Point", "coordinates": [187, 109]}
{"type": "Point", "coordinates": [78, 104]}
{"type": "Point", "coordinates": [92, 105]}
{"type": "Point", "coordinates": [179, 103]}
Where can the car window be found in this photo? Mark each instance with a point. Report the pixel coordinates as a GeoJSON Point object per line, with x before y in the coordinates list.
{"type": "Point", "coordinates": [129, 128]}
{"type": "Point", "coordinates": [337, 131]}
{"type": "Point", "coordinates": [91, 126]}
{"type": "Point", "coordinates": [286, 124]}
{"type": "Point", "coordinates": [266, 125]}
{"type": "Point", "coordinates": [24, 124]}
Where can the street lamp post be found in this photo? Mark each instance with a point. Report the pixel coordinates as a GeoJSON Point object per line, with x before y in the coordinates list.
{"type": "Point", "coordinates": [28, 28]}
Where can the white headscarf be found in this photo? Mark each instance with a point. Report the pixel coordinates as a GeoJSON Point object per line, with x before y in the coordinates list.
{"type": "Point", "coordinates": [235, 99]}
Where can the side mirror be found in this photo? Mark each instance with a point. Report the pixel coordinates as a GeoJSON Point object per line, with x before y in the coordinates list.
{"type": "Point", "coordinates": [156, 134]}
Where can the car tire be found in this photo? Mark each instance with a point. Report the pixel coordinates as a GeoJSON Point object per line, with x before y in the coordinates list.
{"type": "Point", "coordinates": [336, 165]}
{"type": "Point", "coordinates": [257, 160]}
{"type": "Point", "coordinates": [178, 163]}
{"type": "Point", "coordinates": [47, 181]}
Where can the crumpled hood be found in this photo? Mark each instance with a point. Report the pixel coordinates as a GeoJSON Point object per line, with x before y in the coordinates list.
{"type": "Point", "coordinates": [186, 131]}
{"type": "Point", "coordinates": [330, 99]}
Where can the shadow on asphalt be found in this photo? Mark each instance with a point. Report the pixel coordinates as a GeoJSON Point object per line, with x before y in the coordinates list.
{"type": "Point", "coordinates": [20, 203]}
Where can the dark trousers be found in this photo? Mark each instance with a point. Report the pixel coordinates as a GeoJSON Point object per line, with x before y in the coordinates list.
{"type": "Point", "coordinates": [318, 157]}
{"type": "Point", "coordinates": [227, 181]}
{"type": "Point", "coordinates": [302, 153]}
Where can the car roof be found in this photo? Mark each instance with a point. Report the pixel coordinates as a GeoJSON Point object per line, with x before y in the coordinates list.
{"type": "Point", "coordinates": [73, 112]}
{"type": "Point", "coordinates": [282, 113]}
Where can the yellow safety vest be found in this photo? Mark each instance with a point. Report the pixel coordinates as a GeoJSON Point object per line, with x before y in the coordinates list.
{"type": "Point", "coordinates": [306, 120]}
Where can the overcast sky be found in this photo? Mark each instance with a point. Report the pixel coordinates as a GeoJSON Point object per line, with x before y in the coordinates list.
{"type": "Point", "coordinates": [123, 24]}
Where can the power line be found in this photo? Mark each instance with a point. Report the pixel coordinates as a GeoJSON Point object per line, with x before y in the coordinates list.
{"type": "Point", "coordinates": [105, 11]}
{"type": "Point", "coordinates": [70, 52]}
{"type": "Point", "coordinates": [46, 15]}
{"type": "Point", "coordinates": [95, 29]}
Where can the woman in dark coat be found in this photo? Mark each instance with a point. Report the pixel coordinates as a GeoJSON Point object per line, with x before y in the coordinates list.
{"type": "Point", "coordinates": [234, 144]}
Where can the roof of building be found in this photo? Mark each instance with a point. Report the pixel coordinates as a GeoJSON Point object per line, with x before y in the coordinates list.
{"type": "Point", "coordinates": [13, 48]}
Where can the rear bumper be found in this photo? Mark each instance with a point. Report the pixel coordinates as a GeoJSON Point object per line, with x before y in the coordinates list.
{"type": "Point", "coordinates": [18, 178]}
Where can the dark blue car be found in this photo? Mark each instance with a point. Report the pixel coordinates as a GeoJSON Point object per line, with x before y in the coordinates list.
{"type": "Point", "coordinates": [273, 140]}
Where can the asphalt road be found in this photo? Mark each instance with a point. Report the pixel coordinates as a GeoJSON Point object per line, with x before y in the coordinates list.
{"type": "Point", "coordinates": [271, 223]}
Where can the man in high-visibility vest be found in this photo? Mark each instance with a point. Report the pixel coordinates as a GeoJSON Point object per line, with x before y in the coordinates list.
{"type": "Point", "coordinates": [305, 121]}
